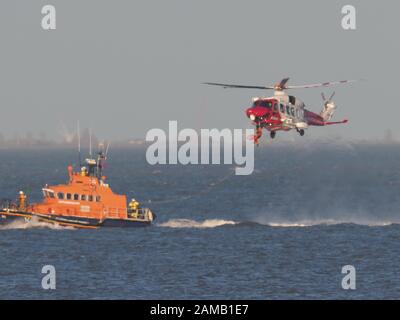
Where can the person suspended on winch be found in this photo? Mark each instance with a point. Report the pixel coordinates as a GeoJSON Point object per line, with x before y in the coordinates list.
{"type": "Point", "coordinates": [258, 135]}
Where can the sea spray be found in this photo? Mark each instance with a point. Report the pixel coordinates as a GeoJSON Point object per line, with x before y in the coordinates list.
{"type": "Point", "coordinates": [32, 224]}
{"type": "Point", "coordinates": [187, 223]}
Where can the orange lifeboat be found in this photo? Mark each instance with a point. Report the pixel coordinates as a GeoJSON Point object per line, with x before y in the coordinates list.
{"type": "Point", "coordinates": [85, 201]}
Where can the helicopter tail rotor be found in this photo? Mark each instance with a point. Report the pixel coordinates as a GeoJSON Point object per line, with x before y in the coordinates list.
{"type": "Point", "coordinates": [328, 108]}
{"type": "Point", "coordinates": [330, 97]}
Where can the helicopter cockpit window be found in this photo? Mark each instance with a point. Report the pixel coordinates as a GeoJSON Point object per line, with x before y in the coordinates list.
{"type": "Point", "coordinates": [292, 111]}
{"type": "Point", "coordinates": [288, 110]}
{"type": "Point", "coordinates": [282, 108]}
{"type": "Point", "coordinates": [263, 103]}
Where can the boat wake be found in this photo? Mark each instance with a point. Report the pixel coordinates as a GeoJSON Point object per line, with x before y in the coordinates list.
{"type": "Point", "coordinates": [32, 224]}
{"type": "Point", "coordinates": [370, 222]}
{"type": "Point", "coordinates": [213, 223]}
{"type": "Point", "coordinates": [187, 223]}
{"type": "Point", "coordinates": [309, 223]}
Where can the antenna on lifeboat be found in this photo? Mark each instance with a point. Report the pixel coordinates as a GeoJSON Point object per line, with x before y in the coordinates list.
{"type": "Point", "coordinates": [90, 143]}
{"type": "Point", "coordinates": [108, 145]}
{"type": "Point", "coordinates": [101, 159]}
{"type": "Point", "coordinates": [79, 145]}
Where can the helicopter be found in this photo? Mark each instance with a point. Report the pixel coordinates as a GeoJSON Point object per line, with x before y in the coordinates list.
{"type": "Point", "coordinates": [283, 112]}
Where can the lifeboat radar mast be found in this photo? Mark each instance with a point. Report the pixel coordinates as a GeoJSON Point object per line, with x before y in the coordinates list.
{"type": "Point", "coordinates": [95, 167]}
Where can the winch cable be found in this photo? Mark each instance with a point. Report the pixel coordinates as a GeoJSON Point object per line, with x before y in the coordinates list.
{"type": "Point", "coordinates": [213, 185]}
{"type": "Point", "coordinates": [205, 190]}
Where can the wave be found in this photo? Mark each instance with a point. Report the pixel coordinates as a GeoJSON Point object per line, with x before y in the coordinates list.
{"type": "Point", "coordinates": [326, 223]}
{"type": "Point", "coordinates": [187, 223]}
{"type": "Point", "coordinates": [321, 222]}
{"type": "Point", "coordinates": [32, 224]}
{"type": "Point", "coordinates": [213, 223]}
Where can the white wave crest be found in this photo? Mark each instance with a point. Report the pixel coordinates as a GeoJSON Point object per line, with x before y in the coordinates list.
{"type": "Point", "coordinates": [31, 224]}
{"type": "Point", "coordinates": [187, 223]}
{"type": "Point", "coordinates": [311, 223]}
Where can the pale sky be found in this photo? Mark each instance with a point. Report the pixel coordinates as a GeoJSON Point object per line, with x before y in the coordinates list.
{"type": "Point", "coordinates": [124, 67]}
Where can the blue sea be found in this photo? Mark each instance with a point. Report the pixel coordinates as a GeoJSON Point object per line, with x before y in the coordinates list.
{"type": "Point", "coordinates": [284, 232]}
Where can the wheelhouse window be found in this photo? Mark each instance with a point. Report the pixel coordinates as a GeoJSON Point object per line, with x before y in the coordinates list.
{"type": "Point", "coordinates": [60, 195]}
{"type": "Point", "coordinates": [68, 196]}
{"type": "Point", "coordinates": [83, 197]}
{"type": "Point", "coordinates": [90, 198]}
{"type": "Point", "coordinates": [76, 196]}
{"type": "Point", "coordinates": [98, 198]}
{"type": "Point", "coordinates": [51, 194]}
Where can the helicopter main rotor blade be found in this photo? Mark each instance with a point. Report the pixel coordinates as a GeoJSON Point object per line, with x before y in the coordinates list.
{"type": "Point", "coordinates": [281, 85]}
{"type": "Point", "coordinates": [317, 85]}
{"type": "Point", "coordinates": [237, 86]}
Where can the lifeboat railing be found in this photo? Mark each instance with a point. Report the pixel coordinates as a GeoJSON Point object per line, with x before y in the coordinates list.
{"type": "Point", "coordinates": [8, 204]}
{"type": "Point", "coordinates": [140, 214]}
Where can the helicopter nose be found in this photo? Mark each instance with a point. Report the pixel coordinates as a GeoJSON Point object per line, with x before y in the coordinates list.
{"type": "Point", "coordinates": [254, 113]}
{"type": "Point", "coordinates": [250, 114]}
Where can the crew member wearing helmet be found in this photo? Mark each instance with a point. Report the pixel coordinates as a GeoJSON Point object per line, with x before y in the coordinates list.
{"type": "Point", "coordinates": [21, 201]}
{"type": "Point", "coordinates": [134, 207]}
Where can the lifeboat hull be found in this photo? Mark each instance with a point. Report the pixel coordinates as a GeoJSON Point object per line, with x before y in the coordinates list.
{"type": "Point", "coordinates": [8, 217]}
{"type": "Point", "coordinates": [79, 222]}
{"type": "Point", "coordinates": [73, 221]}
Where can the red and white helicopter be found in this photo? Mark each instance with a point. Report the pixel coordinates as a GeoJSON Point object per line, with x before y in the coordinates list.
{"type": "Point", "coordinates": [286, 112]}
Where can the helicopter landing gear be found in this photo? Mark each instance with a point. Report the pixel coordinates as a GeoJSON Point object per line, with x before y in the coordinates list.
{"type": "Point", "coordinates": [272, 134]}
{"type": "Point", "coordinates": [301, 132]}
